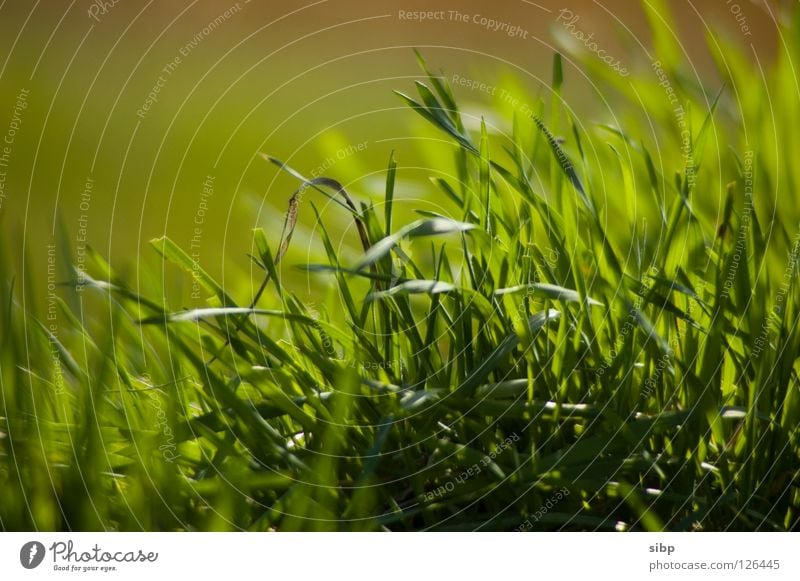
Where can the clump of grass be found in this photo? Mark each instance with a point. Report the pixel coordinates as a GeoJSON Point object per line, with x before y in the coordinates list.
{"type": "Point", "coordinates": [543, 342]}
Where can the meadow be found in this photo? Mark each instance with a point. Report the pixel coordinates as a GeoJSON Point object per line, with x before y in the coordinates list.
{"type": "Point", "coordinates": [560, 324]}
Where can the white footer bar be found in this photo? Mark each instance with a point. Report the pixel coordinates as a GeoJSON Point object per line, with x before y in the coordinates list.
{"type": "Point", "coordinates": [400, 556]}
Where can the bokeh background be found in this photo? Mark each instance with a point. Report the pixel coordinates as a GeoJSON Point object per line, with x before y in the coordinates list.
{"type": "Point", "coordinates": [124, 121]}
{"type": "Point", "coordinates": [308, 82]}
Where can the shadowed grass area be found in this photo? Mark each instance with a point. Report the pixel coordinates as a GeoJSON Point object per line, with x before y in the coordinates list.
{"type": "Point", "coordinates": [600, 333]}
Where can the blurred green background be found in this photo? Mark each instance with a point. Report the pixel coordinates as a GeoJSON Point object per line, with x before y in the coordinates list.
{"type": "Point", "coordinates": [308, 82]}
{"type": "Point", "coordinates": [124, 121]}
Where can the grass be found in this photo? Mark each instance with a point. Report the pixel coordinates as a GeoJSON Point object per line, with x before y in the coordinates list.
{"type": "Point", "coordinates": [600, 333]}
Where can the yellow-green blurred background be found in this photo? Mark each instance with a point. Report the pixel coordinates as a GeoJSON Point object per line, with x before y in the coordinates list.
{"type": "Point", "coordinates": [308, 82]}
